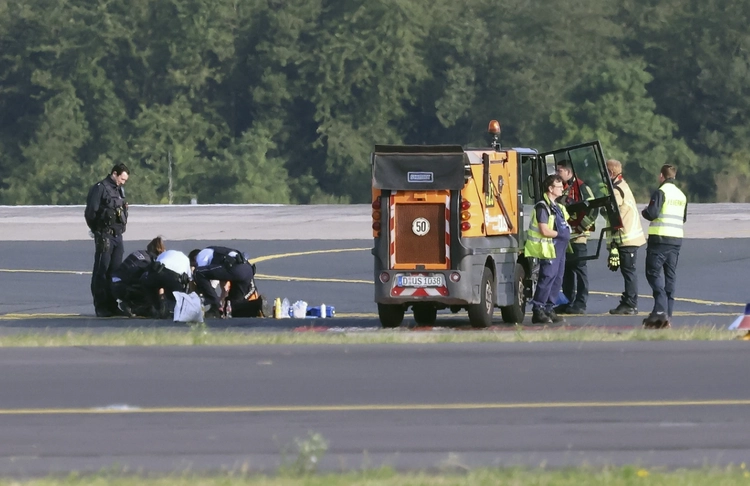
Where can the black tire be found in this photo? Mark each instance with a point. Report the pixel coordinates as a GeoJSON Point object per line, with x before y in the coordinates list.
{"type": "Point", "coordinates": [480, 315]}
{"type": "Point", "coordinates": [514, 314]}
{"type": "Point", "coordinates": [391, 315]}
{"type": "Point", "coordinates": [425, 314]}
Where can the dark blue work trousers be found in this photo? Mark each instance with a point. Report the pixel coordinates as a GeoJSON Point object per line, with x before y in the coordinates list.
{"type": "Point", "coordinates": [549, 282]}
{"type": "Point", "coordinates": [108, 257]}
{"type": "Point", "coordinates": [661, 273]}
{"type": "Point", "coordinates": [628, 260]}
{"type": "Point", "coordinates": [575, 284]}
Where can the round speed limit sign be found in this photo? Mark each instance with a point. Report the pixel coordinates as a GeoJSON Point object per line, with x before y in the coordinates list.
{"type": "Point", "coordinates": [420, 226]}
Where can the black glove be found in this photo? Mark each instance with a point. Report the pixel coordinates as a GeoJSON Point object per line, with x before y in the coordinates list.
{"type": "Point", "coordinates": [613, 263]}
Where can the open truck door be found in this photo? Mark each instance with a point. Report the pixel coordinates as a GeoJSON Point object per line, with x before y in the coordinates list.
{"type": "Point", "coordinates": [588, 165]}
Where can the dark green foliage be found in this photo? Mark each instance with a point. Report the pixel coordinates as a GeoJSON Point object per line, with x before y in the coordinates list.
{"type": "Point", "coordinates": [271, 101]}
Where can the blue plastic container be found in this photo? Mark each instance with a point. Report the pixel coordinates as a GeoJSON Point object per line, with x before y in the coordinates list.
{"type": "Point", "coordinates": [315, 311]}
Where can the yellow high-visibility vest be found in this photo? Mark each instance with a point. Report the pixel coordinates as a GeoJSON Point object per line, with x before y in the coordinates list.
{"type": "Point", "coordinates": [536, 245]}
{"type": "Point", "coordinates": [671, 219]}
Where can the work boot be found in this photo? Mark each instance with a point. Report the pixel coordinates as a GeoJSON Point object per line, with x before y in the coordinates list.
{"type": "Point", "coordinates": [657, 321]}
{"type": "Point", "coordinates": [570, 309]}
{"type": "Point", "coordinates": [575, 309]}
{"type": "Point", "coordinates": [125, 309]}
{"type": "Point", "coordinates": [555, 318]}
{"type": "Point", "coordinates": [103, 313]}
{"type": "Point", "coordinates": [624, 310]}
{"type": "Point", "coordinates": [562, 309]}
{"type": "Point", "coordinates": [538, 316]}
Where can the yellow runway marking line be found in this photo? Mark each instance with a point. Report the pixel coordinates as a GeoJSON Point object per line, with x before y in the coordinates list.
{"type": "Point", "coordinates": [262, 276]}
{"type": "Point", "coordinates": [17, 316]}
{"type": "Point", "coordinates": [399, 407]}
{"type": "Point", "coordinates": [303, 253]}
{"type": "Point", "coordinates": [19, 270]}
{"type": "Point", "coordinates": [679, 299]}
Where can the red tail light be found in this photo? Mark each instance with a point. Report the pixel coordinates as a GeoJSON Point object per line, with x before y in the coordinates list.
{"type": "Point", "coordinates": [465, 204]}
{"type": "Point", "coordinates": [376, 225]}
{"type": "Point", "coordinates": [376, 203]}
{"type": "Point", "coordinates": [465, 226]}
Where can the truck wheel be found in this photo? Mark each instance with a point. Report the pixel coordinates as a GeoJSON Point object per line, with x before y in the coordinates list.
{"type": "Point", "coordinates": [513, 314]}
{"type": "Point", "coordinates": [425, 314]}
{"type": "Point", "coordinates": [480, 315]}
{"type": "Point", "coordinates": [391, 315]}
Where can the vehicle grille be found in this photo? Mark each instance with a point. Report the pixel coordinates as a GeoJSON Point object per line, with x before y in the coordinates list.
{"type": "Point", "coordinates": [427, 249]}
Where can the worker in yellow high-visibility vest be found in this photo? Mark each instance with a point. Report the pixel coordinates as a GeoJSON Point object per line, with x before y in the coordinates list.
{"type": "Point", "coordinates": [667, 212]}
{"type": "Point", "coordinates": [623, 243]}
{"type": "Point", "coordinates": [547, 240]}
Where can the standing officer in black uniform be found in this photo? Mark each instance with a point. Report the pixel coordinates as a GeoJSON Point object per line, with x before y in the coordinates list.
{"type": "Point", "coordinates": [106, 216]}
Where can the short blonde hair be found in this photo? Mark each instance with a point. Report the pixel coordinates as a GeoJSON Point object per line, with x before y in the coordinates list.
{"type": "Point", "coordinates": [614, 167]}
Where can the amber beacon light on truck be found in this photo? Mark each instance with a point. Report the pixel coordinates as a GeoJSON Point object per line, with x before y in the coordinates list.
{"type": "Point", "coordinates": [448, 225]}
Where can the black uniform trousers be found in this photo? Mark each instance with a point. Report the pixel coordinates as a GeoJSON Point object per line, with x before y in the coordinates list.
{"type": "Point", "coordinates": [108, 256]}
{"type": "Point", "coordinates": [240, 275]}
{"type": "Point", "coordinates": [628, 260]}
{"type": "Point", "coordinates": [168, 280]}
{"type": "Point", "coordinates": [661, 273]}
{"type": "Point", "coordinates": [575, 283]}
{"type": "Point", "coordinates": [135, 295]}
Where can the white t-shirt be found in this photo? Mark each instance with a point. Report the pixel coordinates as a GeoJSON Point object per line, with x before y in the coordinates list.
{"type": "Point", "coordinates": [176, 261]}
{"type": "Point", "coordinates": [204, 257]}
{"type": "Point", "coordinates": [207, 255]}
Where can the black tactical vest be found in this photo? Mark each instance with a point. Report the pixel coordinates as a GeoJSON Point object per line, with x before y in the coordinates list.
{"type": "Point", "coordinates": [134, 266]}
{"type": "Point", "coordinates": [114, 209]}
{"type": "Point", "coordinates": [222, 257]}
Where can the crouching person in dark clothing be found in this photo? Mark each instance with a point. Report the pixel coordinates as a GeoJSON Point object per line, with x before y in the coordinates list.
{"type": "Point", "coordinates": [171, 274]}
{"type": "Point", "coordinates": [236, 276]}
{"type": "Point", "coordinates": [127, 287]}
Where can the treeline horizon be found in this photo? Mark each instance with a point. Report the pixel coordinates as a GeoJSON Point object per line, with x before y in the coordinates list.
{"type": "Point", "coordinates": [282, 101]}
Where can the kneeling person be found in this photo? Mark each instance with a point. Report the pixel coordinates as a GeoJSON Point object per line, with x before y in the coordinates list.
{"type": "Point", "coordinates": [236, 276]}
{"type": "Point", "coordinates": [172, 275]}
{"type": "Point", "coordinates": [126, 284]}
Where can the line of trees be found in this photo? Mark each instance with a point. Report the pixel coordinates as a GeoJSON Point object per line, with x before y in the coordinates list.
{"type": "Point", "coordinates": [281, 101]}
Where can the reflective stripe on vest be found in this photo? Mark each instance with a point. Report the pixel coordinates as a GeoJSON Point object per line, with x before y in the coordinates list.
{"type": "Point", "coordinates": [631, 233]}
{"type": "Point", "coordinates": [671, 219]}
{"type": "Point", "coordinates": [536, 245]}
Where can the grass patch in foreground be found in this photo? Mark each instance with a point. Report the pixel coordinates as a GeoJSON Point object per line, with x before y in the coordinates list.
{"type": "Point", "coordinates": [620, 476]}
{"type": "Point", "coordinates": [200, 335]}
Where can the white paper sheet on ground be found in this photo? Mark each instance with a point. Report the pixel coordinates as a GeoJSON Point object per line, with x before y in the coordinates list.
{"type": "Point", "coordinates": [188, 307]}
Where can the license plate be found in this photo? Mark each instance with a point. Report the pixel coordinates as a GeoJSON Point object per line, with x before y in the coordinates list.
{"type": "Point", "coordinates": [420, 281]}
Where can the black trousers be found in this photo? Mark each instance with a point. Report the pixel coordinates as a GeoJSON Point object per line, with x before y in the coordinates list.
{"type": "Point", "coordinates": [240, 275]}
{"type": "Point", "coordinates": [136, 296]}
{"type": "Point", "coordinates": [628, 260]}
{"type": "Point", "coordinates": [575, 283]}
{"type": "Point", "coordinates": [661, 273]}
{"type": "Point", "coordinates": [108, 256]}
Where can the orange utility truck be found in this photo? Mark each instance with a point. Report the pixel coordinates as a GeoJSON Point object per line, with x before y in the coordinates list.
{"type": "Point", "coordinates": [449, 225]}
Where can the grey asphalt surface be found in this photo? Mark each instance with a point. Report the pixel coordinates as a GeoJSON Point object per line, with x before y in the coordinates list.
{"type": "Point", "coordinates": [555, 404]}
{"type": "Point", "coordinates": [676, 404]}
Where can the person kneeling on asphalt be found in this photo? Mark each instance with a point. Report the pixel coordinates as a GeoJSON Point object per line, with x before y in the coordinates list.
{"type": "Point", "coordinates": [172, 274]}
{"type": "Point", "coordinates": [236, 276]}
{"type": "Point", "coordinates": [126, 284]}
